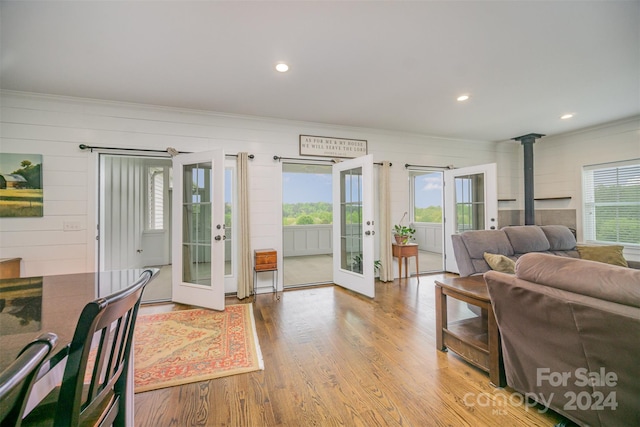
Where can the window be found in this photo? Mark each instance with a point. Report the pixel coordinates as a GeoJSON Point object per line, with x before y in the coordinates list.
{"type": "Point", "coordinates": [155, 198]}
{"type": "Point", "coordinates": [470, 206]}
{"type": "Point", "coordinates": [612, 203]}
{"type": "Point", "coordinates": [426, 195]}
{"type": "Point", "coordinates": [306, 194]}
{"type": "Point", "coordinates": [229, 192]}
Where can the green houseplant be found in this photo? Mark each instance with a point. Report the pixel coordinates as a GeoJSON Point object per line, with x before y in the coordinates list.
{"type": "Point", "coordinates": [403, 233]}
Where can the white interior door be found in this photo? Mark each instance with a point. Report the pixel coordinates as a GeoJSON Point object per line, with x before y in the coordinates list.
{"type": "Point", "coordinates": [353, 227]}
{"type": "Point", "coordinates": [198, 231]}
{"type": "Point", "coordinates": [470, 203]}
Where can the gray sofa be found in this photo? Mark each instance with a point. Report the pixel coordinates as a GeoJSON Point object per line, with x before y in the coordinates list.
{"type": "Point", "coordinates": [563, 320]}
{"type": "Point", "coordinates": [513, 242]}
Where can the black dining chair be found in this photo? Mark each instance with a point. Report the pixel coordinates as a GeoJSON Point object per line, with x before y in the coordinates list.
{"type": "Point", "coordinates": [94, 384]}
{"type": "Point", "coordinates": [18, 378]}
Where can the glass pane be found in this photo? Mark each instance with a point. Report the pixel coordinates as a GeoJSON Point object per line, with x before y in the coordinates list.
{"type": "Point", "coordinates": [228, 217]}
{"type": "Point", "coordinates": [196, 227]}
{"type": "Point", "coordinates": [427, 197]}
{"type": "Point", "coordinates": [351, 220]}
{"type": "Point", "coordinates": [155, 197]}
{"type": "Point", "coordinates": [470, 203]}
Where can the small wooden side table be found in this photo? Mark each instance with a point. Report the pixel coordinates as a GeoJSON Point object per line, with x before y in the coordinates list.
{"type": "Point", "coordinates": [476, 340]}
{"type": "Point", "coordinates": [265, 260]}
{"type": "Point", "coordinates": [404, 252]}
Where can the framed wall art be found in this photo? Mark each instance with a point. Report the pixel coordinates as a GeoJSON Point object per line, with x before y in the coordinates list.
{"type": "Point", "coordinates": [323, 146]}
{"type": "Point", "coordinates": [21, 185]}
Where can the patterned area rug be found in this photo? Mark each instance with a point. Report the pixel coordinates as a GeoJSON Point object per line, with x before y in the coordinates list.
{"type": "Point", "coordinates": [187, 346]}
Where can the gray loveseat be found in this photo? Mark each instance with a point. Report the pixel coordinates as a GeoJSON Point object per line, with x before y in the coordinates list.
{"type": "Point", "coordinates": [513, 242]}
{"type": "Point", "coordinates": [570, 331]}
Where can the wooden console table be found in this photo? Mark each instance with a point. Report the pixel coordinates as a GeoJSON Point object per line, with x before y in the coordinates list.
{"type": "Point", "coordinates": [404, 252]}
{"type": "Point", "coordinates": [476, 340]}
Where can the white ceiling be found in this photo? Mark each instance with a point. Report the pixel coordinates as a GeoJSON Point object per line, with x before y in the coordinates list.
{"type": "Point", "coordinates": [396, 65]}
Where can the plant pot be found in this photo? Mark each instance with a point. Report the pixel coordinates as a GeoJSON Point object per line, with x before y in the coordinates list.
{"type": "Point", "coordinates": [401, 240]}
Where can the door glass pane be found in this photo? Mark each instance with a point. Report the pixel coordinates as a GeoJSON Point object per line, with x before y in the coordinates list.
{"type": "Point", "coordinates": [196, 227]}
{"type": "Point", "coordinates": [351, 220]}
{"type": "Point", "coordinates": [470, 203]}
{"type": "Point", "coordinates": [228, 217]}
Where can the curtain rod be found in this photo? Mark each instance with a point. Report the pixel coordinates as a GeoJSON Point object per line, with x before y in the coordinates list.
{"type": "Point", "coordinates": [171, 151]}
{"type": "Point", "coordinates": [279, 158]}
{"type": "Point", "coordinates": [407, 165]}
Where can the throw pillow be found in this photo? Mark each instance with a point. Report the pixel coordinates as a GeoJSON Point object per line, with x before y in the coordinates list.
{"type": "Point", "coordinates": [500, 263]}
{"type": "Point", "coordinates": [610, 254]}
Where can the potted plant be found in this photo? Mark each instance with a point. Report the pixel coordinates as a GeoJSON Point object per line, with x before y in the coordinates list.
{"type": "Point", "coordinates": [403, 233]}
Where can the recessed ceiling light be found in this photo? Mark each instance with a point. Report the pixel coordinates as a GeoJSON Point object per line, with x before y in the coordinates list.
{"type": "Point", "coordinates": [566, 116]}
{"type": "Point", "coordinates": [282, 67]}
{"type": "Point", "coordinates": [463, 98]}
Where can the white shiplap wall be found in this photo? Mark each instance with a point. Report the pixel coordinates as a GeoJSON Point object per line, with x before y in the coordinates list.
{"type": "Point", "coordinates": [559, 161]}
{"type": "Point", "coordinates": [55, 126]}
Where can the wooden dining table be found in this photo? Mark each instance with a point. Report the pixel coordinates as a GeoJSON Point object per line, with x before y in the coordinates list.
{"type": "Point", "coordinates": [30, 306]}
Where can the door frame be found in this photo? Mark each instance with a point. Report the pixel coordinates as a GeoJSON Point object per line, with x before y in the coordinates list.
{"type": "Point", "coordinates": [101, 214]}
{"type": "Point", "coordinates": [489, 170]}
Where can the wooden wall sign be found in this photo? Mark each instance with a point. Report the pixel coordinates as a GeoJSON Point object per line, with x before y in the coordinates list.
{"type": "Point", "coordinates": [322, 146]}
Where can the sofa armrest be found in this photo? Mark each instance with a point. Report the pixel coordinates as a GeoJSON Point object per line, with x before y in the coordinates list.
{"type": "Point", "coordinates": [463, 260]}
{"type": "Point", "coordinates": [634, 264]}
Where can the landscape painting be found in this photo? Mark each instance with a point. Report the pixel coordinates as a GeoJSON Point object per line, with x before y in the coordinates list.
{"type": "Point", "coordinates": [20, 185]}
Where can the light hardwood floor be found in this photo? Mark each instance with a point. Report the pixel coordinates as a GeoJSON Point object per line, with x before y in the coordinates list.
{"type": "Point", "coordinates": [300, 270]}
{"type": "Point", "coordinates": [334, 358]}
{"type": "Point", "coordinates": [297, 271]}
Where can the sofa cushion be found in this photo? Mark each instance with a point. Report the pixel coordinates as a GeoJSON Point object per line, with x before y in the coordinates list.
{"type": "Point", "coordinates": [526, 238]}
{"type": "Point", "coordinates": [595, 279]}
{"type": "Point", "coordinates": [560, 237]}
{"type": "Point", "coordinates": [480, 241]}
{"type": "Point", "coordinates": [610, 254]}
{"type": "Point", "coordinates": [500, 263]}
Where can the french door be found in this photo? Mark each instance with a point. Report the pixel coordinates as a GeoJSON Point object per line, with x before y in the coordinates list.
{"type": "Point", "coordinates": [198, 231]}
{"type": "Point", "coordinates": [470, 203]}
{"type": "Point", "coordinates": [353, 228]}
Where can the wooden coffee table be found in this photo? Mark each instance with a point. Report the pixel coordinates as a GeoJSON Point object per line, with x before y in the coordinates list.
{"type": "Point", "coordinates": [476, 340]}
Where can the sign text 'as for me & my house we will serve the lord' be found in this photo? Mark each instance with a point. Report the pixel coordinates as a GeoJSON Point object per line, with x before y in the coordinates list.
{"type": "Point", "coordinates": [323, 146]}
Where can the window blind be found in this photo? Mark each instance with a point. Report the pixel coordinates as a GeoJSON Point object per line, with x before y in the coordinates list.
{"type": "Point", "coordinates": [612, 202]}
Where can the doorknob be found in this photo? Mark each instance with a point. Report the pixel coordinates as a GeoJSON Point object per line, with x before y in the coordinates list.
{"type": "Point", "coordinates": [218, 237]}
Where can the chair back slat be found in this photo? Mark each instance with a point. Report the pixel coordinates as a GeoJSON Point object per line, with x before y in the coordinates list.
{"type": "Point", "coordinates": [95, 377]}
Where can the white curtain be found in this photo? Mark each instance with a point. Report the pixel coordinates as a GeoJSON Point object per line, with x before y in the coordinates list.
{"type": "Point", "coordinates": [245, 276]}
{"type": "Point", "coordinates": [386, 258]}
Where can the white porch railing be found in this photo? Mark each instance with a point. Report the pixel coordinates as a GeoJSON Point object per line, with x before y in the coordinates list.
{"type": "Point", "coordinates": [317, 239]}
